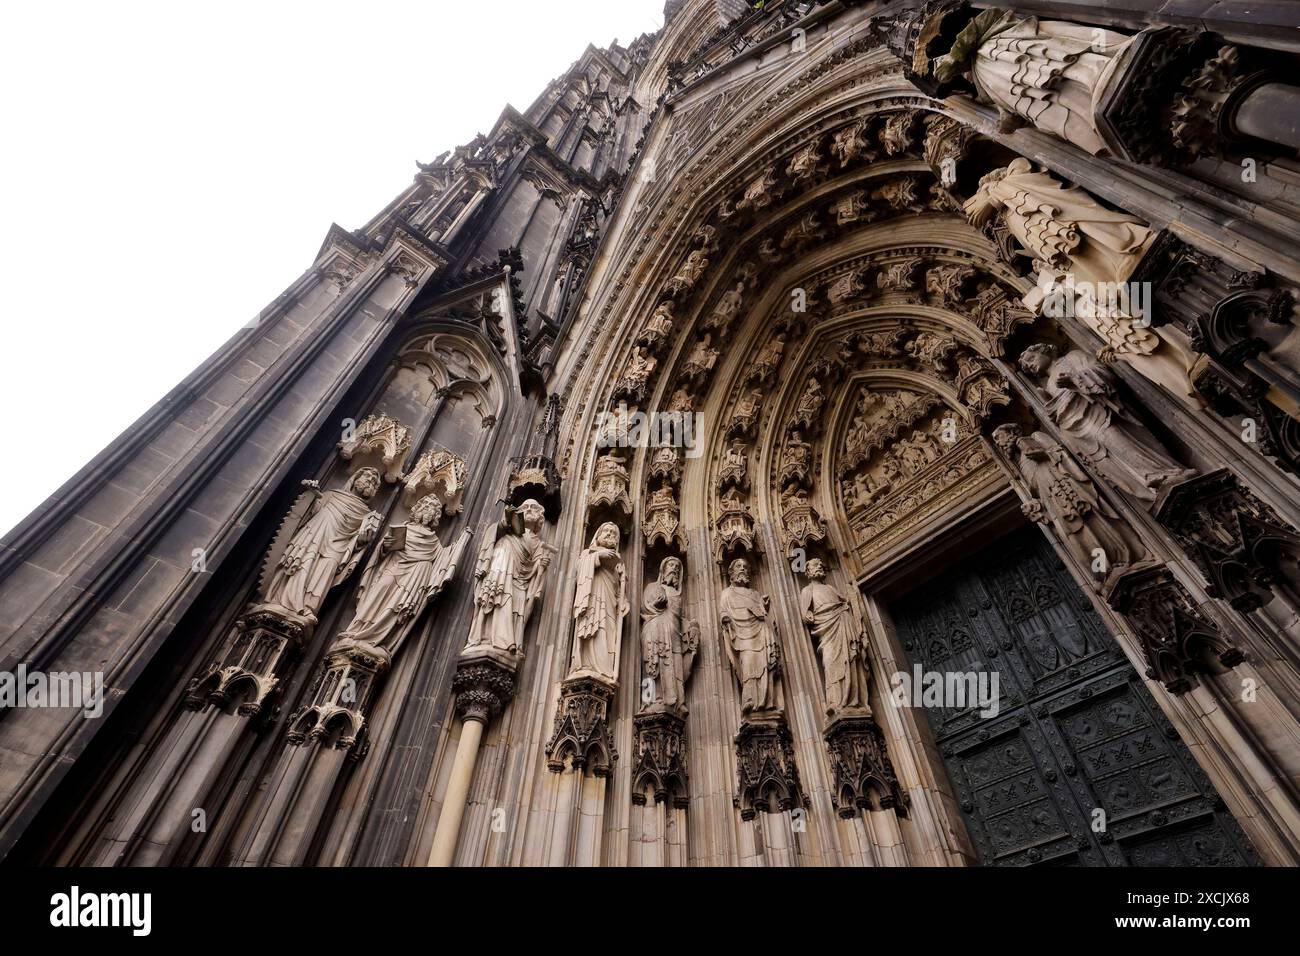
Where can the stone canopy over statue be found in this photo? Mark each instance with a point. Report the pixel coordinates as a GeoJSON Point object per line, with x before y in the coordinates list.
{"type": "Point", "coordinates": [749, 638]}
{"type": "Point", "coordinates": [330, 530]}
{"type": "Point", "coordinates": [410, 569]}
{"type": "Point", "coordinates": [511, 574]}
{"type": "Point", "coordinates": [599, 606]}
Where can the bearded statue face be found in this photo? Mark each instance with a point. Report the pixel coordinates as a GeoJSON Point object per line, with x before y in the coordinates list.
{"type": "Point", "coordinates": [533, 514]}
{"type": "Point", "coordinates": [606, 536]}
{"type": "Point", "coordinates": [366, 483]}
{"type": "Point", "coordinates": [427, 511]}
{"type": "Point", "coordinates": [738, 572]}
{"type": "Point", "coordinates": [815, 570]}
{"type": "Point", "coordinates": [670, 572]}
{"type": "Point", "coordinates": [1006, 437]}
{"type": "Point", "coordinates": [1037, 359]}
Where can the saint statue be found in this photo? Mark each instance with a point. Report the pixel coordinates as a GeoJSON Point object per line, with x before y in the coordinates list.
{"type": "Point", "coordinates": [1064, 227]}
{"type": "Point", "coordinates": [1066, 497]}
{"type": "Point", "coordinates": [667, 652]}
{"type": "Point", "coordinates": [1050, 72]}
{"type": "Point", "coordinates": [1082, 396]}
{"type": "Point", "coordinates": [511, 573]}
{"type": "Point", "coordinates": [335, 527]}
{"type": "Point", "coordinates": [749, 638]}
{"type": "Point", "coordinates": [410, 569]}
{"type": "Point", "coordinates": [599, 606]}
{"type": "Point", "coordinates": [841, 641]}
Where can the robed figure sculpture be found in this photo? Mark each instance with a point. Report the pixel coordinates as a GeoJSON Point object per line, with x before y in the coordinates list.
{"type": "Point", "coordinates": [331, 530]}
{"type": "Point", "coordinates": [749, 638]}
{"type": "Point", "coordinates": [841, 641]}
{"type": "Point", "coordinates": [667, 651]}
{"type": "Point", "coordinates": [511, 573]}
{"type": "Point", "coordinates": [410, 570]}
{"type": "Point", "coordinates": [599, 606]}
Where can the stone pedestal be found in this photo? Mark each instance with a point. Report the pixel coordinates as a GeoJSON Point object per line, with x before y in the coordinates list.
{"type": "Point", "coordinates": [660, 757]}
{"type": "Point", "coordinates": [768, 777]}
{"type": "Point", "coordinates": [864, 776]}
{"type": "Point", "coordinates": [581, 732]}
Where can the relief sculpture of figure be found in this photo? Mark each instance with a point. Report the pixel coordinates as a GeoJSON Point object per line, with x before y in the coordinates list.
{"type": "Point", "coordinates": [511, 573]}
{"type": "Point", "coordinates": [841, 641]}
{"type": "Point", "coordinates": [1064, 227]}
{"type": "Point", "coordinates": [599, 606]}
{"type": "Point", "coordinates": [749, 638]}
{"type": "Point", "coordinates": [667, 650]}
{"type": "Point", "coordinates": [1082, 396]}
{"type": "Point", "coordinates": [1065, 496]}
{"type": "Point", "coordinates": [326, 547]}
{"type": "Point", "coordinates": [1050, 72]}
{"type": "Point", "coordinates": [410, 569]}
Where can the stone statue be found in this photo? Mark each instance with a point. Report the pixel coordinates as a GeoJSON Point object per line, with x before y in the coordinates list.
{"type": "Point", "coordinates": [410, 569]}
{"type": "Point", "coordinates": [1065, 496]}
{"type": "Point", "coordinates": [841, 641]}
{"type": "Point", "coordinates": [1050, 72]}
{"type": "Point", "coordinates": [336, 526]}
{"type": "Point", "coordinates": [511, 573]}
{"type": "Point", "coordinates": [1082, 397]}
{"type": "Point", "coordinates": [599, 606]}
{"type": "Point", "coordinates": [751, 643]}
{"type": "Point", "coordinates": [1062, 226]}
{"type": "Point", "coordinates": [667, 651]}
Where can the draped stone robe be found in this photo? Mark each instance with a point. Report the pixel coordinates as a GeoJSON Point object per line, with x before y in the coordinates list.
{"type": "Point", "coordinates": [832, 622]}
{"type": "Point", "coordinates": [1081, 397]}
{"type": "Point", "coordinates": [511, 573]}
{"type": "Point", "coordinates": [323, 552]}
{"type": "Point", "coordinates": [752, 647]}
{"type": "Point", "coordinates": [661, 643]}
{"type": "Point", "coordinates": [600, 604]}
{"type": "Point", "coordinates": [395, 588]}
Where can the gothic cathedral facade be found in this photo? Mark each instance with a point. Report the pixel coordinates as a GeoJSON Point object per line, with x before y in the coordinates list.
{"type": "Point", "coordinates": [846, 433]}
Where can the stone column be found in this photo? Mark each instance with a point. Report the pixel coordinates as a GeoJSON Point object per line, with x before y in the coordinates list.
{"type": "Point", "coordinates": [483, 685]}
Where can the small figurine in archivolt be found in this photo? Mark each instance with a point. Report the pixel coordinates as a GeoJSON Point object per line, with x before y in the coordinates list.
{"type": "Point", "coordinates": [410, 568]}
{"type": "Point", "coordinates": [599, 606]}
{"type": "Point", "coordinates": [511, 573]}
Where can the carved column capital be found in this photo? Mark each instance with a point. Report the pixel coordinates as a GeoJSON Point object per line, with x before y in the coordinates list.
{"type": "Point", "coordinates": [482, 687]}
{"type": "Point", "coordinates": [582, 728]}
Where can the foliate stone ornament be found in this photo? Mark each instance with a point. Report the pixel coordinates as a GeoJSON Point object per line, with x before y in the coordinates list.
{"type": "Point", "coordinates": [898, 131]}
{"type": "Point", "coordinates": [1082, 396]}
{"type": "Point", "coordinates": [610, 484]}
{"type": "Point", "coordinates": [1062, 495]}
{"type": "Point", "coordinates": [385, 437]}
{"type": "Point", "coordinates": [599, 607]}
{"type": "Point", "coordinates": [807, 163]}
{"type": "Point", "coordinates": [482, 687]}
{"type": "Point", "coordinates": [510, 576]}
{"type": "Point", "coordinates": [841, 642]}
{"type": "Point", "coordinates": [750, 640]}
{"type": "Point", "coordinates": [319, 544]}
{"type": "Point", "coordinates": [899, 276]}
{"type": "Point", "coordinates": [852, 143]}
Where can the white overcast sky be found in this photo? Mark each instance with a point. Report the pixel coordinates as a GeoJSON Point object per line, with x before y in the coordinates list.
{"type": "Point", "coordinates": [168, 168]}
